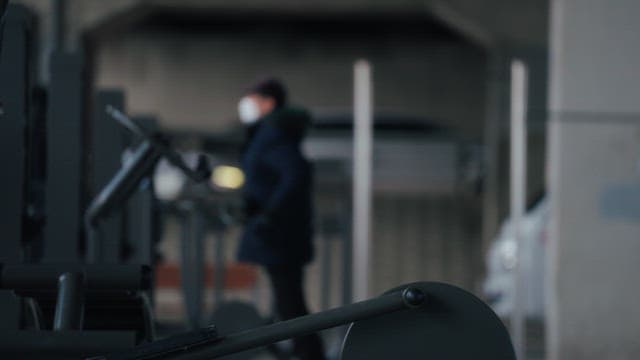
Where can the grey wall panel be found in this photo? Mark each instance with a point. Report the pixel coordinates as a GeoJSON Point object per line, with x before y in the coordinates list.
{"type": "Point", "coordinates": [425, 238]}
{"type": "Point", "coordinates": [594, 257]}
{"type": "Point", "coordinates": [595, 56]}
{"type": "Point", "coordinates": [195, 82]}
{"type": "Point", "coordinates": [594, 138]}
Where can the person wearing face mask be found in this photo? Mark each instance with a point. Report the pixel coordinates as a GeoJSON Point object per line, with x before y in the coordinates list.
{"type": "Point", "coordinates": [278, 200]}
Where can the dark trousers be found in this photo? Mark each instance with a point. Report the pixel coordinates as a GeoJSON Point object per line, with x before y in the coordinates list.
{"type": "Point", "coordinates": [286, 282]}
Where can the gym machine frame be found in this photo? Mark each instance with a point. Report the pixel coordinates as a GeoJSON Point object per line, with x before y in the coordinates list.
{"type": "Point", "coordinates": [127, 179]}
{"type": "Point", "coordinates": [423, 320]}
{"type": "Point", "coordinates": [196, 347]}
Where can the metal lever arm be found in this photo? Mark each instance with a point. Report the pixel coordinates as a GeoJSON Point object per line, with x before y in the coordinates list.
{"type": "Point", "coordinates": [407, 298]}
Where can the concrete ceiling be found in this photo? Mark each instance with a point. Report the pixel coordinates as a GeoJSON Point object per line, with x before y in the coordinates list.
{"type": "Point", "coordinates": [487, 22]}
{"type": "Point", "coordinates": [517, 23]}
{"type": "Point", "coordinates": [520, 22]}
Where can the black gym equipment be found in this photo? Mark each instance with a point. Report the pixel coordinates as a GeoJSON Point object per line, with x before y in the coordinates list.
{"type": "Point", "coordinates": [174, 344]}
{"type": "Point", "coordinates": [47, 293]}
{"type": "Point", "coordinates": [114, 295]}
{"type": "Point", "coordinates": [53, 305]}
{"type": "Point", "coordinates": [420, 321]}
{"type": "Point", "coordinates": [107, 144]}
{"type": "Point", "coordinates": [3, 6]}
{"type": "Point", "coordinates": [142, 213]}
{"type": "Point", "coordinates": [75, 310]}
{"type": "Point", "coordinates": [66, 184]}
{"type": "Point", "coordinates": [126, 181]}
{"type": "Point", "coordinates": [16, 78]}
{"type": "Point", "coordinates": [453, 325]}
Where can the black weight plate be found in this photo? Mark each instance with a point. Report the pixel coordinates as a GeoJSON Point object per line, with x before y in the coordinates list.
{"type": "Point", "coordinates": [453, 325]}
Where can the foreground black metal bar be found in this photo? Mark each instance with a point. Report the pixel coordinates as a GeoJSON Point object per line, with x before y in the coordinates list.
{"type": "Point", "coordinates": [163, 347]}
{"type": "Point", "coordinates": [44, 277]}
{"type": "Point", "coordinates": [305, 325]}
{"type": "Point", "coordinates": [123, 183]}
{"type": "Point", "coordinates": [118, 191]}
{"type": "Point", "coordinates": [52, 345]}
{"type": "Point", "coordinates": [70, 304]}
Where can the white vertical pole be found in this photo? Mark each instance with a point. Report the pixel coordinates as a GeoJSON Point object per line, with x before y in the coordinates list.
{"type": "Point", "coordinates": [362, 163]}
{"type": "Point", "coordinates": [519, 83]}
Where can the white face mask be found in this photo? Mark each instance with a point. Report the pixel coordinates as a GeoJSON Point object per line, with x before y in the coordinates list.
{"type": "Point", "coordinates": [248, 111]}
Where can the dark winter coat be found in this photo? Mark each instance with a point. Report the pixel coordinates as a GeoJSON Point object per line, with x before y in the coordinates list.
{"type": "Point", "coordinates": [277, 191]}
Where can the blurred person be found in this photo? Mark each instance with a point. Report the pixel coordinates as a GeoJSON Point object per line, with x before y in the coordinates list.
{"type": "Point", "coordinates": [278, 204]}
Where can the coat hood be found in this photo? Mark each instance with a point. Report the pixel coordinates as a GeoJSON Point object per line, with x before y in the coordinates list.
{"type": "Point", "coordinates": [294, 122]}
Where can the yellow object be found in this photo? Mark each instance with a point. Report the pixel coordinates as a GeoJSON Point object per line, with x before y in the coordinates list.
{"type": "Point", "coordinates": [227, 177]}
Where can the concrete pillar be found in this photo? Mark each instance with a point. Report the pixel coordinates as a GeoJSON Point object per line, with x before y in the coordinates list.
{"type": "Point", "coordinates": [594, 139]}
{"type": "Point", "coordinates": [496, 85]}
{"type": "Point", "coordinates": [496, 135]}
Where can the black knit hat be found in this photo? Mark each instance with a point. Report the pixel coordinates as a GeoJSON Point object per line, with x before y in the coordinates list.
{"type": "Point", "coordinates": [272, 88]}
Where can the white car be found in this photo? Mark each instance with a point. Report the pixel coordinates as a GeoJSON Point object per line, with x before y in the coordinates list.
{"type": "Point", "coordinates": [502, 258]}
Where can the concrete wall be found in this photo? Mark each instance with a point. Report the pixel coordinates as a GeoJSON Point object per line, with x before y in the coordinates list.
{"type": "Point", "coordinates": [522, 22]}
{"type": "Point", "coordinates": [426, 238]}
{"type": "Point", "coordinates": [595, 180]}
{"type": "Point", "coordinates": [194, 82]}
